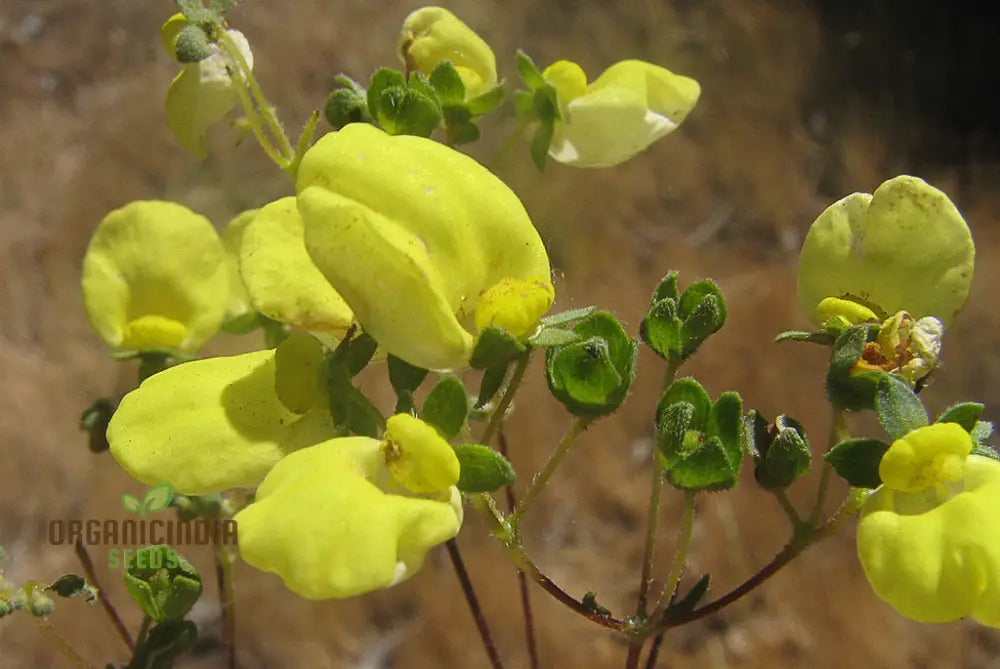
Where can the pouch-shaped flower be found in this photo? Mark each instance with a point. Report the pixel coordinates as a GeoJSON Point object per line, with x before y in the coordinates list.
{"type": "Point", "coordinates": [929, 538]}
{"type": "Point", "coordinates": [155, 278]}
{"type": "Point", "coordinates": [410, 232]}
{"type": "Point", "coordinates": [433, 34]}
{"type": "Point", "coordinates": [332, 522]}
{"type": "Point", "coordinates": [904, 248]}
{"type": "Point", "coordinates": [208, 425]}
{"type": "Point", "coordinates": [618, 115]}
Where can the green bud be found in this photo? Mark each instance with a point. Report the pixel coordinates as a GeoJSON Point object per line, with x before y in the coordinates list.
{"type": "Point", "coordinates": [345, 106]}
{"type": "Point", "coordinates": [406, 111]}
{"type": "Point", "coordinates": [164, 584]}
{"type": "Point", "coordinates": [192, 45]}
{"type": "Point", "coordinates": [699, 442]}
{"type": "Point", "coordinates": [780, 450]}
{"type": "Point", "coordinates": [592, 376]}
{"type": "Point", "coordinates": [482, 469]}
{"type": "Point", "coordinates": [674, 327]}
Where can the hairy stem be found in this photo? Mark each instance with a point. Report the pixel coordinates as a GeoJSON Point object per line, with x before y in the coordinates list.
{"type": "Point", "coordinates": [838, 432]}
{"type": "Point", "coordinates": [67, 651]}
{"type": "Point", "coordinates": [473, 602]}
{"type": "Point", "coordinates": [88, 569]}
{"type": "Point", "coordinates": [522, 580]}
{"type": "Point", "coordinates": [505, 399]}
{"type": "Point", "coordinates": [542, 478]}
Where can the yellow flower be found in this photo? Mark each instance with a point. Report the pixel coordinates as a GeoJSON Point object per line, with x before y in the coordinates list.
{"type": "Point", "coordinates": [515, 305]}
{"type": "Point", "coordinates": [432, 34]}
{"type": "Point", "coordinates": [202, 92]}
{"type": "Point", "coordinates": [628, 107]}
{"type": "Point", "coordinates": [155, 278]}
{"type": "Point", "coordinates": [232, 239]}
{"type": "Point", "coordinates": [334, 521]}
{"type": "Point", "coordinates": [410, 232]}
{"type": "Point", "coordinates": [904, 248]}
{"type": "Point", "coordinates": [208, 425]}
{"type": "Point", "coordinates": [929, 537]}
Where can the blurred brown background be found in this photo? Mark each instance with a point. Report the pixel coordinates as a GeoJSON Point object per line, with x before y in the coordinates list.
{"type": "Point", "coordinates": [803, 103]}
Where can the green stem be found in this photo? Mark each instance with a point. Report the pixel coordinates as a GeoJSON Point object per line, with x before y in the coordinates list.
{"type": "Point", "coordinates": [504, 532]}
{"type": "Point", "coordinates": [680, 554]}
{"type": "Point", "coordinates": [838, 432]}
{"type": "Point", "coordinates": [473, 602]}
{"type": "Point", "coordinates": [88, 569]}
{"type": "Point", "coordinates": [542, 477]}
{"type": "Point", "coordinates": [143, 631]}
{"type": "Point", "coordinates": [505, 399]}
{"type": "Point", "coordinates": [789, 509]}
{"type": "Point", "coordinates": [224, 576]}
{"type": "Point", "coordinates": [67, 651]}
{"type": "Point", "coordinates": [509, 143]}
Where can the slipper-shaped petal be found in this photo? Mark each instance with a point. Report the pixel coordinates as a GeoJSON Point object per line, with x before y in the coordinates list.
{"type": "Point", "coordinates": [208, 425]}
{"type": "Point", "coordinates": [323, 523]}
{"type": "Point", "coordinates": [410, 232]}
{"type": "Point", "coordinates": [155, 278]}
{"type": "Point", "coordinates": [433, 34]}
{"type": "Point", "coordinates": [630, 106]}
{"type": "Point", "coordinates": [904, 248]}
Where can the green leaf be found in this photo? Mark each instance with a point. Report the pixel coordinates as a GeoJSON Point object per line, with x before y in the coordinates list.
{"type": "Point", "coordinates": [856, 461]}
{"type": "Point", "coordinates": [446, 407]}
{"type": "Point", "coordinates": [725, 421]}
{"type": "Point", "coordinates": [447, 83]}
{"type": "Point", "coordinates": [852, 391]}
{"type": "Point", "coordinates": [482, 469]}
{"type": "Point", "coordinates": [564, 317]}
{"type": "Point", "coordinates": [540, 143]}
{"type": "Point", "coordinates": [350, 409]}
{"type": "Point", "coordinates": [462, 133]}
{"type": "Point", "coordinates": [965, 414]}
{"type": "Point", "coordinates": [345, 106]}
{"type": "Point", "coordinates": [687, 389]}
{"type": "Point", "coordinates": [221, 6]}
{"type": "Point", "coordinates": [494, 347]}
{"type": "Point", "coordinates": [356, 353]}
{"type": "Point", "coordinates": [686, 604]}
{"type": "Point", "coordinates": [981, 432]}
{"type": "Point", "coordinates": [528, 72]}
{"type": "Point", "coordinates": [492, 381]}
{"type": "Point", "coordinates": [486, 102]}
{"type": "Point", "coordinates": [848, 347]}
{"type": "Point", "coordinates": [707, 318]}
{"type": "Point", "coordinates": [405, 379]}
{"type": "Point", "coordinates": [158, 498]}
{"type": "Point", "coordinates": [418, 82]}
{"type": "Point", "coordinates": [662, 330]}
{"type": "Point", "coordinates": [823, 338]}
{"type": "Point", "coordinates": [164, 584]}
{"type": "Point", "coordinates": [524, 105]}
{"type": "Point", "coordinates": [546, 105]}
{"type": "Point", "coordinates": [163, 644]}
{"type": "Point", "coordinates": [549, 336]}
{"type": "Point", "coordinates": [71, 585]}
{"type": "Point", "coordinates": [898, 408]}
{"type": "Point", "coordinates": [131, 503]}
{"type": "Point", "coordinates": [666, 289]}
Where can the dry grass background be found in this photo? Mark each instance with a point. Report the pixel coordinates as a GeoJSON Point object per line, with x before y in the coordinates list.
{"type": "Point", "coordinates": [729, 196]}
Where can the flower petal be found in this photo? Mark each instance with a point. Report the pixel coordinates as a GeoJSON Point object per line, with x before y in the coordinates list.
{"type": "Point", "coordinates": [904, 248]}
{"type": "Point", "coordinates": [232, 240]}
{"type": "Point", "coordinates": [433, 34]}
{"type": "Point", "coordinates": [208, 425]}
{"type": "Point", "coordinates": [158, 267]}
{"type": "Point", "coordinates": [429, 229]}
{"type": "Point", "coordinates": [280, 277]}
{"type": "Point", "coordinates": [328, 531]}
{"type": "Point", "coordinates": [933, 561]}
{"type": "Point", "coordinates": [630, 106]}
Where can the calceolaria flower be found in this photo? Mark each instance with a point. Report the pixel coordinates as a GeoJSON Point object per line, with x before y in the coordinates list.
{"type": "Point", "coordinates": [354, 514]}
{"type": "Point", "coordinates": [618, 115]}
{"type": "Point", "coordinates": [869, 256]}
{"type": "Point", "coordinates": [203, 92]}
{"type": "Point", "coordinates": [432, 34]}
{"type": "Point", "coordinates": [929, 537]}
{"type": "Point", "coordinates": [410, 233]}
{"type": "Point", "coordinates": [515, 305]}
{"type": "Point", "coordinates": [904, 346]}
{"type": "Point", "coordinates": [155, 278]}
